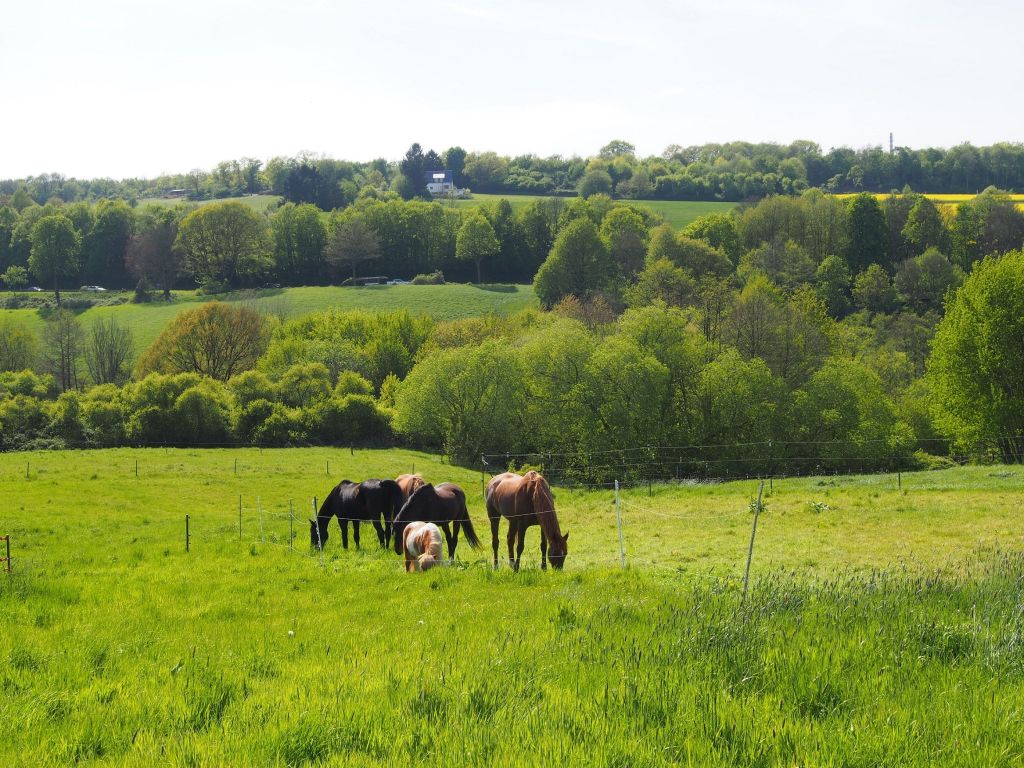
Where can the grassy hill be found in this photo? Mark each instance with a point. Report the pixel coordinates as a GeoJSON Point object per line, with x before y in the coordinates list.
{"type": "Point", "coordinates": [121, 648]}
{"type": "Point", "coordinates": [678, 213]}
{"type": "Point", "coordinates": [444, 302]}
{"type": "Point", "coordinates": [258, 202]}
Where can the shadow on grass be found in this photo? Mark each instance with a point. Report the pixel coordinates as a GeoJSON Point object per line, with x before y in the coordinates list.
{"type": "Point", "coordinates": [495, 288]}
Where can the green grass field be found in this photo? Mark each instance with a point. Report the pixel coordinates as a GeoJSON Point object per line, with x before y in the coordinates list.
{"type": "Point", "coordinates": [678, 213]}
{"type": "Point", "coordinates": [445, 302]}
{"type": "Point", "coordinates": [882, 626]}
{"type": "Point", "coordinates": [257, 202]}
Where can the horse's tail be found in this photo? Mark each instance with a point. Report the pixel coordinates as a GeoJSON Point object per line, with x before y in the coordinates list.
{"type": "Point", "coordinates": [467, 527]}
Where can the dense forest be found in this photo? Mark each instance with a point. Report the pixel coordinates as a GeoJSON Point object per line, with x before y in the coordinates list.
{"type": "Point", "coordinates": [732, 172]}
{"type": "Point", "coordinates": [801, 333]}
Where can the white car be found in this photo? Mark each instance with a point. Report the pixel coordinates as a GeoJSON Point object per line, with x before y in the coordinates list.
{"type": "Point", "coordinates": [398, 282]}
{"type": "Point", "coordinates": [92, 288]}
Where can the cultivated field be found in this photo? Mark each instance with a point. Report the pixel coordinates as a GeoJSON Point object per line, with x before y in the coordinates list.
{"type": "Point", "coordinates": [883, 624]}
{"type": "Point", "coordinates": [445, 302]}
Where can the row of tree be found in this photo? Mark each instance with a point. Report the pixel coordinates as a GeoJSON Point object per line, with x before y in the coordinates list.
{"type": "Point", "coordinates": [815, 238]}
{"type": "Point", "coordinates": [732, 171]}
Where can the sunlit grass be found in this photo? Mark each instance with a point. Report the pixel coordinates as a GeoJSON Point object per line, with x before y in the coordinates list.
{"type": "Point", "coordinates": [119, 648]}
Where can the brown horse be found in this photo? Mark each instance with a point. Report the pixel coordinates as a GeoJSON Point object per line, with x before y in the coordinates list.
{"type": "Point", "coordinates": [525, 500]}
{"type": "Point", "coordinates": [408, 484]}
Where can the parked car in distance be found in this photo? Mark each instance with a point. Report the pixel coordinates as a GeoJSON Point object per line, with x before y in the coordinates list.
{"type": "Point", "coordinates": [398, 282]}
{"type": "Point", "coordinates": [35, 288]}
{"type": "Point", "coordinates": [92, 288]}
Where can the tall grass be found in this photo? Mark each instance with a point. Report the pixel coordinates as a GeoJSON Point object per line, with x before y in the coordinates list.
{"type": "Point", "coordinates": [119, 648]}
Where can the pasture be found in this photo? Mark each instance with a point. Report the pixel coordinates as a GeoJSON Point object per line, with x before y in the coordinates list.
{"type": "Point", "coordinates": [259, 203]}
{"type": "Point", "coordinates": [882, 627]}
{"type": "Point", "coordinates": [444, 302]}
{"type": "Point", "coordinates": [678, 213]}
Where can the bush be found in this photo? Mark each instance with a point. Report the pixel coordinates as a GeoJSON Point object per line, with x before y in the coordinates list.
{"type": "Point", "coordinates": [433, 278]}
{"type": "Point", "coordinates": [349, 420]}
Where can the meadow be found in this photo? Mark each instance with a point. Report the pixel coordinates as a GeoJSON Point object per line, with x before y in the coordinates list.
{"type": "Point", "coordinates": [678, 213]}
{"type": "Point", "coordinates": [258, 203]}
{"type": "Point", "coordinates": [883, 624]}
{"type": "Point", "coordinates": [444, 302]}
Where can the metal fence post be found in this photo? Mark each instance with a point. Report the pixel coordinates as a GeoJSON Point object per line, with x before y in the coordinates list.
{"type": "Point", "coordinates": [753, 533]}
{"type": "Point", "coordinates": [618, 522]}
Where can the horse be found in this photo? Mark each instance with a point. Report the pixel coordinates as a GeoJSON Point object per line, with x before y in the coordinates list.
{"type": "Point", "coordinates": [370, 501]}
{"type": "Point", "coordinates": [421, 543]}
{"type": "Point", "coordinates": [443, 505]}
{"type": "Point", "coordinates": [408, 484]}
{"type": "Point", "coordinates": [525, 500]}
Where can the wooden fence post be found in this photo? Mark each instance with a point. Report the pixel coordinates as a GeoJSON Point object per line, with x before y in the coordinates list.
{"type": "Point", "coordinates": [186, 534]}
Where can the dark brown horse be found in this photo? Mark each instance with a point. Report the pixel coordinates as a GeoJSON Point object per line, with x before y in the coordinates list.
{"type": "Point", "coordinates": [525, 500]}
{"type": "Point", "coordinates": [445, 506]}
{"type": "Point", "coordinates": [408, 484]}
{"type": "Point", "coordinates": [371, 501]}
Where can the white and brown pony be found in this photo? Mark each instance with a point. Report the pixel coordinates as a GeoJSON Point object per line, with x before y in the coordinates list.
{"type": "Point", "coordinates": [421, 543]}
{"type": "Point", "coordinates": [525, 500]}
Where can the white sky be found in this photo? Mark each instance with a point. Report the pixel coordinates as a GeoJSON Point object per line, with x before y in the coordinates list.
{"type": "Point", "coordinates": [133, 88]}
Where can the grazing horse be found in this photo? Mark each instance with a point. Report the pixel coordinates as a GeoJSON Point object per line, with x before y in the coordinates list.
{"type": "Point", "coordinates": [442, 505]}
{"type": "Point", "coordinates": [421, 543]}
{"type": "Point", "coordinates": [525, 500]}
{"type": "Point", "coordinates": [408, 484]}
{"type": "Point", "coordinates": [371, 501]}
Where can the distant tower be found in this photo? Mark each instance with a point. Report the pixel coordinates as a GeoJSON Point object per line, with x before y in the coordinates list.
{"type": "Point", "coordinates": [890, 142]}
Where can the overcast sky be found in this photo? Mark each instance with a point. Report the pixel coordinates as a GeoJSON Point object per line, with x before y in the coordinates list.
{"type": "Point", "coordinates": [129, 88]}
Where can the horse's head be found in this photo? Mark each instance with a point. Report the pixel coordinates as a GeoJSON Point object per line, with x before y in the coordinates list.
{"type": "Point", "coordinates": [557, 550]}
{"type": "Point", "coordinates": [410, 511]}
{"type": "Point", "coordinates": [318, 533]}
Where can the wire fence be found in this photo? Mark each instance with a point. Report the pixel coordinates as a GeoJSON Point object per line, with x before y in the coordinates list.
{"type": "Point", "coordinates": [618, 522]}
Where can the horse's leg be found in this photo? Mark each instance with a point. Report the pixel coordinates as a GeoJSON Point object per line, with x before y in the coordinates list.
{"type": "Point", "coordinates": [451, 541]}
{"type": "Point", "coordinates": [543, 551]}
{"type": "Point", "coordinates": [495, 522]}
{"type": "Point", "coordinates": [355, 532]}
{"type": "Point", "coordinates": [455, 538]}
{"type": "Point", "coordinates": [343, 524]}
{"type": "Point", "coordinates": [512, 546]}
{"type": "Point", "coordinates": [520, 541]}
{"type": "Point", "coordinates": [380, 533]}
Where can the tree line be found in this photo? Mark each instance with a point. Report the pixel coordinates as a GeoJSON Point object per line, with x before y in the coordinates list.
{"type": "Point", "coordinates": [733, 171]}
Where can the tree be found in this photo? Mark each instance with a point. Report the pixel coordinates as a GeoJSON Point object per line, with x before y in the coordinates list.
{"type": "Point", "coordinates": [299, 239]}
{"type": "Point", "coordinates": [17, 346]}
{"type": "Point", "coordinates": [103, 248]}
{"type": "Point", "coordinates": [924, 228]}
{"type": "Point", "coordinates": [226, 244]}
{"type": "Point", "coordinates": [924, 280]}
{"type": "Point", "coordinates": [217, 340]}
{"type": "Point", "coordinates": [476, 241]}
{"type": "Point", "coordinates": [62, 344]}
{"type": "Point", "coordinates": [832, 284]}
{"type": "Point", "coordinates": [976, 369]}
{"type": "Point", "coordinates": [661, 280]}
{"type": "Point", "coordinates": [351, 242]}
{"type": "Point", "coordinates": [595, 182]}
{"type": "Point", "coordinates": [785, 263]}
{"type": "Point", "coordinates": [719, 231]}
{"type": "Point", "coordinates": [153, 256]}
{"type": "Point", "coordinates": [413, 168]}
{"type": "Point", "coordinates": [869, 233]}
{"type": "Point", "coordinates": [873, 290]}
{"type": "Point", "coordinates": [108, 348]}
{"type": "Point", "coordinates": [55, 247]}
{"type": "Point", "coordinates": [625, 235]}
{"type": "Point", "coordinates": [15, 278]}
{"type": "Point", "coordinates": [455, 161]}
{"type": "Point", "coordinates": [616, 148]}
{"type": "Point", "coordinates": [578, 264]}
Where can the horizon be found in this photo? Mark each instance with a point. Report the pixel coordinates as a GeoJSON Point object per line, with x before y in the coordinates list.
{"type": "Point", "coordinates": [124, 91]}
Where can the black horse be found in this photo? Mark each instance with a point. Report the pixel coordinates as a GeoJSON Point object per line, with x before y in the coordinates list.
{"type": "Point", "coordinates": [443, 505]}
{"type": "Point", "coordinates": [371, 501]}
